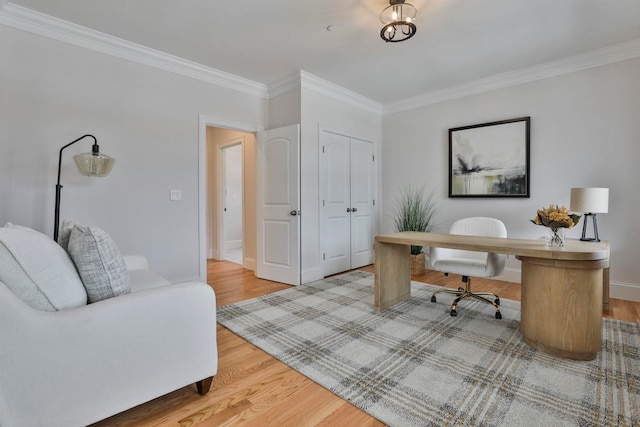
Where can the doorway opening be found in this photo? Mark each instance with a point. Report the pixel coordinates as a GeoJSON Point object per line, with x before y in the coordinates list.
{"type": "Point", "coordinates": [230, 195]}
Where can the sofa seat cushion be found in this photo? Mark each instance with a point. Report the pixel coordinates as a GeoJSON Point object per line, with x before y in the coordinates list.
{"type": "Point", "coordinates": [144, 279]}
{"type": "Point", "coordinates": [99, 263]}
{"type": "Point", "coordinates": [38, 271]}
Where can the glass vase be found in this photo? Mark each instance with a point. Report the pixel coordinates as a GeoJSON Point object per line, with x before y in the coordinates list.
{"type": "Point", "coordinates": [555, 237]}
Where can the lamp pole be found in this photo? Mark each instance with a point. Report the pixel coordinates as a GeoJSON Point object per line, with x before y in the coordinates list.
{"type": "Point", "coordinates": [56, 223]}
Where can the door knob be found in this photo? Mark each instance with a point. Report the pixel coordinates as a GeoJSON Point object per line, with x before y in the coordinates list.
{"type": "Point", "coordinates": [294, 212]}
{"type": "Point", "coordinates": [348, 209]}
{"type": "Point", "coordinates": [354, 209]}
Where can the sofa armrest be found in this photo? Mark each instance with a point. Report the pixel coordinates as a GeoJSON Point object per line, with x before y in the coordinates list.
{"type": "Point", "coordinates": [78, 366]}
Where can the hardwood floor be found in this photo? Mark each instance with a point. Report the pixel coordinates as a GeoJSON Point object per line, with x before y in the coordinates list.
{"type": "Point", "coordinates": [254, 389]}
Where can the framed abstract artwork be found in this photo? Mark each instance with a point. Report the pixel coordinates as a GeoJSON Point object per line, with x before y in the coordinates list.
{"type": "Point", "coordinates": [490, 159]}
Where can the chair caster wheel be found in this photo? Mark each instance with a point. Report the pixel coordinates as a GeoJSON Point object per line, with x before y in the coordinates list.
{"type": "Point", "coordinates": [433, 298]}
{"type": "Point", "coordinates": [498, 315]}
{"type": "Point", "coordinates": [454, 313]}
{"type": "Point", "coordinates": [497, 301]}
{"type": "Point", "coordinates": [460, 289]}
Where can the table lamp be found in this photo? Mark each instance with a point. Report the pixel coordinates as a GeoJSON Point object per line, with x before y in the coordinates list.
{"type": "Point", "coordinates": [590, 201]}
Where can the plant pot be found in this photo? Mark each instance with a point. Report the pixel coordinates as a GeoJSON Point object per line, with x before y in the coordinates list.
{"type": "Point", "coordinates": [417, 264]}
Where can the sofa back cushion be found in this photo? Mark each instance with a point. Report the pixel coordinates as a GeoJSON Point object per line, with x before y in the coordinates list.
{"type": "Point", "coordinates": [38, 271]}
{"type": "Point", "coordinates": [99, 262]}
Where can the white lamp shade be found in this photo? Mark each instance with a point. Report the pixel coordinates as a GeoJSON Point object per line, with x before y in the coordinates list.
{"type": "Point", "coordinates": [590, 200]}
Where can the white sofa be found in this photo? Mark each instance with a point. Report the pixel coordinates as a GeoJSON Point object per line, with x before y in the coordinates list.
{"type": "Point", "coordinates": [79, 365]}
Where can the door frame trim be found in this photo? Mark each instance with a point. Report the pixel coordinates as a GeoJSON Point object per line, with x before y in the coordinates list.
{"type": "Point", "coordinates": [204, 121]}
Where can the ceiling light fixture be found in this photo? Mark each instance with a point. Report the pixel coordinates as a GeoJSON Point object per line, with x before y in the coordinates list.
{"type": "Point", "coordinates": [398, 19]}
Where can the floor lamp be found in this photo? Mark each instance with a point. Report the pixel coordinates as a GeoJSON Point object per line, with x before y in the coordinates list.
{"type": "Point", "coordinates": [590, 201]}
{"type": "Point", "coordinates": [90, 164]}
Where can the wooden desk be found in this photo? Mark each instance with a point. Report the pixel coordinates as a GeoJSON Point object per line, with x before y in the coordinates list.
{"type": "Point", "coordinates": [562, 288]}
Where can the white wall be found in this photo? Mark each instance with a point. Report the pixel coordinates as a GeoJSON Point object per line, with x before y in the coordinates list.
{"type": "Point", "coordinates": [52, 92]}
{"type": "Point", "coordinates": [284, 109]}
{"type": "Point", "coordinates": [320, 109]}
{"type": "Point", "coordinates": [585, 130]}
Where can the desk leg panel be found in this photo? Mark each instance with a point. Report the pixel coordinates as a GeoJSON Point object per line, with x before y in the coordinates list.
{"type": "Point", "coordinates": [562, 307]}
{"type": "Point", "coordinates": [392, 274]}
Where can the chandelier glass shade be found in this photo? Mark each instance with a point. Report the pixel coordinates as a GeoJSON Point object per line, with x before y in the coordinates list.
{"type": "Point", "coordinates": [398, 19]}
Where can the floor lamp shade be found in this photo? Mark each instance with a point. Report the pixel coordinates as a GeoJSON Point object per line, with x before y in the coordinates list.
{"type": "Point", "coordinates": [591, 201]}
{"type": "Point", "coordinates": [94, 164]}
{"type": "Point", "coordinates": [90, 164]}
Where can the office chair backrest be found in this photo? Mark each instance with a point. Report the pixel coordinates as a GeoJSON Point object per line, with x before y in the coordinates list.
{"type": "Point", "coordinates": [475, 226]}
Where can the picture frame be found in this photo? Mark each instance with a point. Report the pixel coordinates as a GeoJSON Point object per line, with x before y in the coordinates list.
{"type": "Point", "coordinates": [490, 159]}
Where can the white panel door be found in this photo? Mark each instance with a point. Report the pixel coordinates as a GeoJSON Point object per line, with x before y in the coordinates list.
{"type": "Point", "coordinates": [278, 204]}
{"type": "Point", "coordinates": [347, 191]}
{"type": "Point", "coordinates": [362, 199]}
{"type": "Point", "coordinates": [336, 203]}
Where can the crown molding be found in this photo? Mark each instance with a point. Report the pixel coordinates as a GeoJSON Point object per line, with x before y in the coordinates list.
{"type": "Point", "coordinates": [309, 81]}
{"type": "Point", "coordinates": [303, 79]}
{"type": "Point", "coordinates": [47, 26]}
{"type": "Point", "coordinates": [284, 85]}
{"type": "Point", "coordinates": [591, 59]}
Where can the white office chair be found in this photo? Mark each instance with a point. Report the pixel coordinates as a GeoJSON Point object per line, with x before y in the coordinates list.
{"type": "Point", "coordinates": [471, 263]}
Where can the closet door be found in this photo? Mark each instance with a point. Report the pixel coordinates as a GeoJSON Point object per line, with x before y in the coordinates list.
{"type": "Point", "coordinates": [362, 199]}
{"type": "Point", "coordinates": [347, 189]}
{"type": "Point", "coordinates": [336, 203]}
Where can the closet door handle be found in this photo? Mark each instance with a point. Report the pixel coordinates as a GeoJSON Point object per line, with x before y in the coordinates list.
{"type": "Point", "coordinates": [348, 209]}
{"type": "Point", "coordinates": [293, 212]}
{"type": "Point", "coordinates": [354, 209]}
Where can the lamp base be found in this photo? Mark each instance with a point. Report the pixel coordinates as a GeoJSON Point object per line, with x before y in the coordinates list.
{"type": "Point", "coordinates": [595, 237]}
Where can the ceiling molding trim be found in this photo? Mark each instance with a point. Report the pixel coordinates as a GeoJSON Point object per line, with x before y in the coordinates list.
{"type": "Point", "coordinates": [284, 85]}
{"type": "Point", "coordinates": [309, 81]}
{"type": "Point", "coordinates": [591, 59]}
{"type": "Point", "coordinates": [47, 26]}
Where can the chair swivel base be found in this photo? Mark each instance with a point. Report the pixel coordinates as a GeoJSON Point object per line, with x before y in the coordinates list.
{"type": "Point", "coordinates": [462, 293]}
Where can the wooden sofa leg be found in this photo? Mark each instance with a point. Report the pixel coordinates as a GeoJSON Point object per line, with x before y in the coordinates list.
{"type": "Point", "coordinates": [204, 385]}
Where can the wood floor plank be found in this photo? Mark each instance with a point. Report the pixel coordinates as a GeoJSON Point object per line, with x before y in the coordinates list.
{"type": "Point", "coordinates": [254, 389]}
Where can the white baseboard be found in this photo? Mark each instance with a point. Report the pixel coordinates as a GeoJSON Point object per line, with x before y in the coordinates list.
{"type": "Point", "coordinates": [311, 275]}
{"type": "Point", "coordinates": [233, 244]}
{"type": "Point", "coordinates": [625, 291]}
{"type": "Point", "coordinates": [213, 254]}
{"type": "Point", "coordinates": [249, 263]}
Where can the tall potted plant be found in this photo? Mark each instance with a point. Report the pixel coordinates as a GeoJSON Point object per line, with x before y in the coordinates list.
{"type": "Point", "coordinates": [415, 210]}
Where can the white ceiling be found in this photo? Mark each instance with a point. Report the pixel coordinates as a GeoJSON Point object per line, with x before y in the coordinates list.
{"type": "Point", "coordinates": [457, 41]}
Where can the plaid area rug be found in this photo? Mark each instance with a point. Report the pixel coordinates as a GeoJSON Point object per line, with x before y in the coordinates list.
{"type": "Point", "coordinates": [414, 365]}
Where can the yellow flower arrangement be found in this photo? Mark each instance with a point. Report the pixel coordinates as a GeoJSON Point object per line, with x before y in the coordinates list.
{"type": "Point", "coordinates": [556, 217]}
